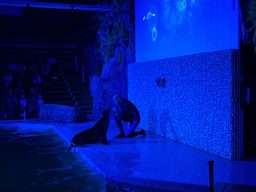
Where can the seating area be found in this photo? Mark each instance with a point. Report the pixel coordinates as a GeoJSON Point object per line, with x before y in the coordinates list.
{"type": "Point", "coordinates": [32, 78]}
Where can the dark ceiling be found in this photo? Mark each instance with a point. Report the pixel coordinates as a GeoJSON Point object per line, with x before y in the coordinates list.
{"type": "Point", "coordinates": [40, 24]}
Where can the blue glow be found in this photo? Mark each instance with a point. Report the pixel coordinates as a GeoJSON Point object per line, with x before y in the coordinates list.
{"type": "Point", "coordinates": [197, 106]}
{"type": "Point", "coordinates": [172, 28]}
{"type": "Point", "coordinates": [154, 34]}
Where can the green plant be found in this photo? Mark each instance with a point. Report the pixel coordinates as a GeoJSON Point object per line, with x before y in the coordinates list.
{"type": "Point", "coordinates": [116, 29]}
{"type": "Point", "coordinates": [120, 56]}
{"type": "Point", "coordinates": [252, 18]}
{"type": "Point", "coordinates": [97, 70]}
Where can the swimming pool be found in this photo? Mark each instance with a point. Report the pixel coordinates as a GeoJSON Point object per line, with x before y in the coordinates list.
{"type": "Point", "coordinates": [38, 161]}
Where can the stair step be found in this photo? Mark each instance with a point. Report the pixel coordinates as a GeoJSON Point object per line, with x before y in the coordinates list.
{"type": "Point", "coordinates": [76, 85]}
{"type": "Point", "coordinates": [85, 96]}
{"type": "Point", "coordinates": [61, 83]}
{"type": "Point", "coordinates": [62, 102]}
{"type": "Point", "coordinates": [82, 92]}
{"type": "Point", "coordinates": [77, 89]}
{"type": "Point", "coordinates": [69, 71]}
{"type": "Point", "coordinates": [68, 89]}
{"type": "Point", "coordinates": [72, 78]}
{"type": "Point", "coordinates": [73, 83]}
{"type": "Point", "coordinates": [58, 96]}
{"type": "Point", "coordinates": [59, 87]}
{"type": "Point", "coordinates": [68, 67]}
{"type": "Point", "coordinates": [85, 102]}
{"type": "Point", "coordinates": [85, 108]}
{"type": "Point", "coordinates": [80, 98]}
{"type": "Point", "coordinates": [71, 93]}
{"type": "Point", "coordinates": [69, 85]}
{"type": "Point", "coordinates": [56, 72]}
{"type": "Point", "coordinates": [55, 92]}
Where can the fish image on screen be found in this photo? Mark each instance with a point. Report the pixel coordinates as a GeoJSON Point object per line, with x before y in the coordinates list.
{"type": "Point", "coordinates": [173, 28]}
{"type": "Point", "coordinates": [151, 19]}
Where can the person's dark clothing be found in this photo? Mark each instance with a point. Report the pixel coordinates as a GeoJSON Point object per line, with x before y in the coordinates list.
{"type": "Point", "coordinates": [33, 97]}
{"type": "Point", "coordinates": [22, 69]}
{"type": "Point", "coordinates": [8, 79]}
{"type": "Point", "coordinates": [47, 80]}
{"type": "Point", "coordinates": [12, 100]}
{"type": "Point", "coordinates": [129, 120]}
{"type": "Point", "coordinates": [127, 112]}
{"type": "Point", "coordinates": [19, 91]}
{"type": "Point", "coordinates": [33, 107]}
{"type": "Point", "coordinates": [32, 70]}
{"type": "Point", "coordinates": [1, 84]}
{"type": "Point", "coordinates": [12, 105]}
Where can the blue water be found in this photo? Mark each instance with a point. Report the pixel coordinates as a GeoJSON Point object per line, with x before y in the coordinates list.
{"type": "Point", "coordinates": [39, 161]}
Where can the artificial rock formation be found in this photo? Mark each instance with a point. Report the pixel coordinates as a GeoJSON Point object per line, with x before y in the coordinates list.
{"type": "Point", "coordinates": [53, 113]}
{"type": "Point", "coordinates": [112, 81]}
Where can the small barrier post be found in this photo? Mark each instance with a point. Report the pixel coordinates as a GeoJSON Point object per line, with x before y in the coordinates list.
{"type": "Point", "coordinates": [210, 163]}
{"type": "Point", "coordinates": [24, 114]}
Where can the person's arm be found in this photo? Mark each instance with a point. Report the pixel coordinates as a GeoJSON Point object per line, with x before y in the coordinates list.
{"type": "Point", "coordinates": [123, 110]}
{"type": "Point", "coordinates": [115, 110]}
{"type": "Point", "coordinates": [16, 101]}
{"type": "Point", "coordinates": [119, 113]}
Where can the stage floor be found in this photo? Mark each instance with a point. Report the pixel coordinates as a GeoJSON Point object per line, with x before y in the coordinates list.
{"type": "Point", "coordinates": [153, 160]}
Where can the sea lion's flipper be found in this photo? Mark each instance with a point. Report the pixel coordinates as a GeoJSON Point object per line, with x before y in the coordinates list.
{"type": "Point", "coordinates": [71, 146]}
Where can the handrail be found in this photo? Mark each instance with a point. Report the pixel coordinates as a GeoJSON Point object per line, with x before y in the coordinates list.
{"type": "Point", "coordinates": [87, 71]}
{"type": "Point", "coordinates": [211, 188]}
{"type": "Point", "coordinates": [55, 6]}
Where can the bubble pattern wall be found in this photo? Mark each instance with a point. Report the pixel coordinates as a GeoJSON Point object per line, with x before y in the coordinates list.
{"type": "Point", "coordinates": [199, 105]}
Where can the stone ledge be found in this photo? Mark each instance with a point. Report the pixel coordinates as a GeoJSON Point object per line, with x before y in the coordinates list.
{"type": "Point", "coordinates": [53, 113]}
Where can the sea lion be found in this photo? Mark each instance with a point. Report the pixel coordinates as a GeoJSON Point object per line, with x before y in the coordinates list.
{"type": "Point", "coordinates": [93, 135]}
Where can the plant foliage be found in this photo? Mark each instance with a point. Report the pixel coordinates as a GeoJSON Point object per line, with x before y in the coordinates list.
{"type": "Point", "coordinates": [116, 29]}
{"type": "Point", "coordinates": [252, 18]}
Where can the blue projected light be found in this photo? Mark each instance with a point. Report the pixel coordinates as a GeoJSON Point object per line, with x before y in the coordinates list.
{"type": "Point", "coordinates": [154, 34]}
{"type": "Point", "coordinates": [151, 18]}
{"type": "Point", "coordinates": [172, 28]}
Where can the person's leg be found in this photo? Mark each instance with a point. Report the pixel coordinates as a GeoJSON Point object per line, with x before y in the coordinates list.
{"type": "Point", "coordinates": [136, 133]}
{"type": "Point", "coordinates": [30, 111]}
{"type": "Point", "coordinates": [12, 113]}
{"type": "Point", "coordinates": [37, 109]}
{"type": "Point", "coordinates": [133, 133]}
{"type": "Point", "coordinates": [120, 126]}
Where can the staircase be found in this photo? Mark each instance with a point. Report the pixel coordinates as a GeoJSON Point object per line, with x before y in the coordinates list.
{"type": "Point", "coordinates": [68, 89]}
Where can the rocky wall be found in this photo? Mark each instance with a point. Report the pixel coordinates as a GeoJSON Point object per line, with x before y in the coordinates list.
{"type": "Point", "coordinates": [53, 113]}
